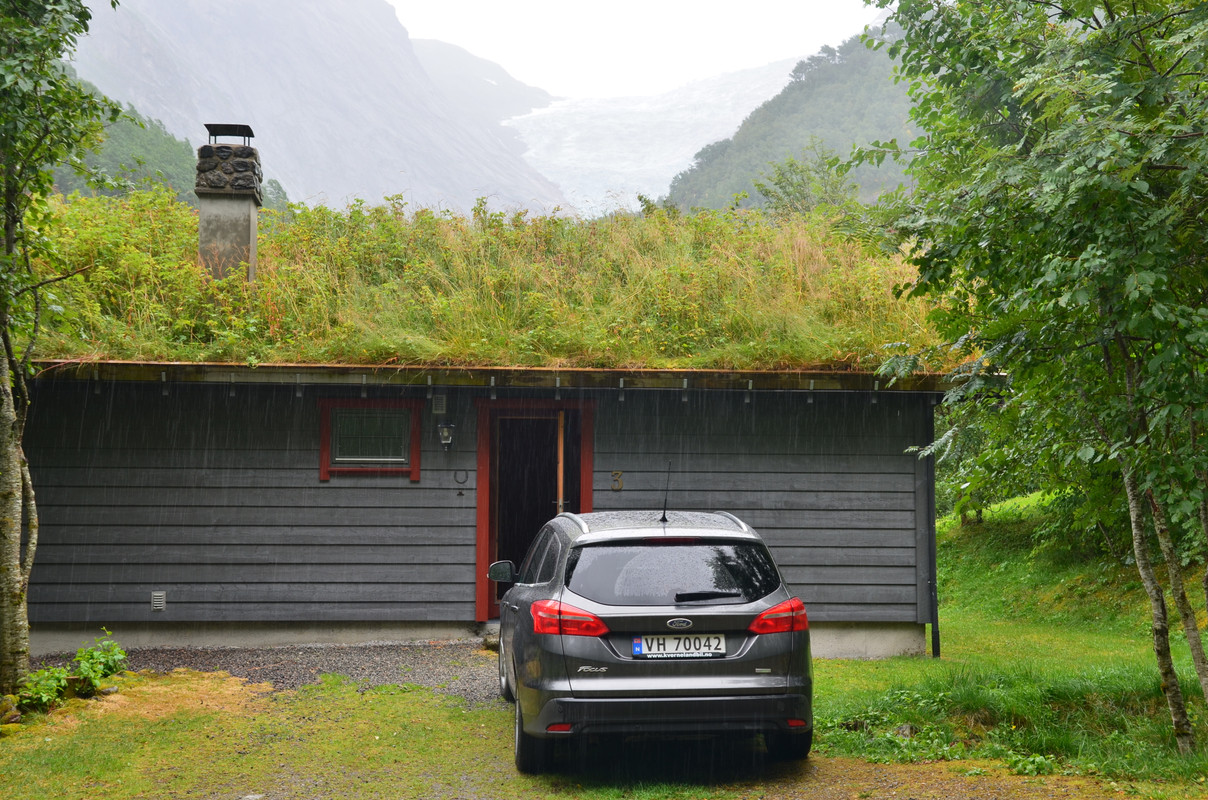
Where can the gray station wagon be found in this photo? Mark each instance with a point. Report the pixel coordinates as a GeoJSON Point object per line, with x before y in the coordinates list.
{"type": "Point", "coordinates": [649, 622]}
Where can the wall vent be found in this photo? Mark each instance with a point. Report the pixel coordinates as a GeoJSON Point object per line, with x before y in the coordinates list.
{"type": "Point", "coordinates": [440, 403]}
{"type": "Point", "coordinates": [159, 600]}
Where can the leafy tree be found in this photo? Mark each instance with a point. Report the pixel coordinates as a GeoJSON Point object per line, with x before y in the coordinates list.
{"type": "Point", "coordinates": [1060, 217]}
{"type": "Point", "coordinates": [46, 118]}
{"type": "Point", "coordinates": [799, 187]}
{"type": "Point", "coordinates": [275, 197]}
{"type": "Point", "coordinates": [841, 96]}
{"type": "Point", "coordinates": [134, 150]}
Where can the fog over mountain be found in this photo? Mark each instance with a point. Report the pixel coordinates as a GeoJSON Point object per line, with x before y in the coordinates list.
{"type": "Point", "coordinates": [345, 104]}
{"type": "Point", "coordinates": [341, 105]}
{"type": "Point", "coordinates": [603, 152]}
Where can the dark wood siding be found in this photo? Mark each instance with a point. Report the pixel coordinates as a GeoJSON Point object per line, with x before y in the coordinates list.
{"type": "Point", "coordinates": [825, 479]}
{"type": "Point", "coordinates": [213, 497]}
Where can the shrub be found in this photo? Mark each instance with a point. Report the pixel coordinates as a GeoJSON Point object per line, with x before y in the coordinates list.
{"type": "Point", "coordinates": [104, 658]}
{"type": "Point", "coordinates": [43, 688]}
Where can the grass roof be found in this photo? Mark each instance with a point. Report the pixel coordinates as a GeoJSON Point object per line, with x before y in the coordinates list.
{"type": "Point", "coordinates": [387, 285]}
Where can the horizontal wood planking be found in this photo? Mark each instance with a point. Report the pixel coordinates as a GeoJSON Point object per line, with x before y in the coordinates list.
{"type": "Point", "coordinates": [86, 553]}
{"type": "Point", "coordinates": [325, 594]}
{"type": "Point", "coordinates": [837, 537]}
{"type": "Point", "coordinates": [731, 481]}
{"type": "Point", "coordinates": [836, 556]}
{"type": "Point", "coordinates": [765, 520]}
{"type": "Point", "coordinates": [275, 536]}
{"type": "Point", "coordinates": [251, 516]}
{"type": "Point", "coordinates": [199, 573]}
{"type": "Point", "coordinates": [834, 498]}
{"type": "Point", "coordinates": [861, 575]}
{"type": "Point", "coordinates": [760, 464]}
{"type": "Point", "coordinates": [676, 447]}
{"type": "Point", "coordinates": [394, 498]}
{"type": "Point", "coordinates": [231, 484]}
{"type": "Point", "coordinates": [218, 500]}
{"type": "Point", "coordinates": [222, 611]}
{"type": "Point", "coordinates": [790, 414]}
{"type": "Point", "coordinates": [241, 476]}
{"type": "Point", "coordinates": [864, 612]}
{"type": "Point", "coordinates": [814, 594]}
{"type": "Point", "coordinates": [237, 461]}
{"type": "Point", "coordinates": [741, 501]}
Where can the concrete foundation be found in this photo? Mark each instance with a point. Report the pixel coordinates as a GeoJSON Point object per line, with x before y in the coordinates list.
{"type": "Point", "coordinates": [828, 640]}
{"type": "Point", "coordinates": [867, 640]}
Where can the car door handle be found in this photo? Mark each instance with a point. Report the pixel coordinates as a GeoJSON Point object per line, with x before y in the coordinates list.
{"type": "Point", "coordinates": [512, 606]}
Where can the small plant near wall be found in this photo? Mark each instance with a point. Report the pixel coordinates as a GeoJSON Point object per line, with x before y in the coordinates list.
{"type": "Point", "coordinates": [103, 658]}
{"type": "Point", "coordinates": [44, 688]}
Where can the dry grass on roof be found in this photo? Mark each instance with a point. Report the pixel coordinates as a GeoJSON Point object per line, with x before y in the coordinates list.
{"type": "Point", "coordinates": [389, 285]}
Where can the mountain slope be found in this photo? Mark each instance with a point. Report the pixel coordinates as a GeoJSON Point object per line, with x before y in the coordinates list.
{"type": "Point", "coordinates": [603, 152]}
{"type": "Point", "coordinates": [138, 150]}
{"type": "Point", "coordinates": [842, 96]}
{"type": "Point", "coordinates": [341, 104]}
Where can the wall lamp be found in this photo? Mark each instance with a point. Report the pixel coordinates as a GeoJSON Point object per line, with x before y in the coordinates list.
{"type": "Point", "coordinates": [445, 431]}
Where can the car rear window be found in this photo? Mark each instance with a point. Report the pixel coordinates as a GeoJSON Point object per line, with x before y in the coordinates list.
{"type": "Point", "coordinates": [646, 573]}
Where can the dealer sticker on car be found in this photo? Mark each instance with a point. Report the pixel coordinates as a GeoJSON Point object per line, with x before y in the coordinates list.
{"type": "Point", "coordinates": [679, 646]}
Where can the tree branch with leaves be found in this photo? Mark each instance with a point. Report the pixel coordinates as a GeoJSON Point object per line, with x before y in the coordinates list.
{"type": "Point", "coordinates": [1059, 220]}
{"type": "Point", "coordinates": [47, 118]}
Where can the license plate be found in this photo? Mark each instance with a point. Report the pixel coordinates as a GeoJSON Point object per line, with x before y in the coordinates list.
{"type": "Point", "coordinates": [680, 645]}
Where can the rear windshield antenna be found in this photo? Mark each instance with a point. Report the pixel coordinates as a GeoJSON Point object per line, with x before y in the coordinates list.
{"type": "Point", "coordinates": [666, 491]}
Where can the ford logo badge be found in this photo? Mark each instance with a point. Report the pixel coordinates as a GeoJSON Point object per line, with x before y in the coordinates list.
{"type": "Point", "coordinates": [679, 624]}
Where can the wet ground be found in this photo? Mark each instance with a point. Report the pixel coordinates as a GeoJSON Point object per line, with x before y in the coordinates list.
{"type": "Point", "coordinates": [467, 669]}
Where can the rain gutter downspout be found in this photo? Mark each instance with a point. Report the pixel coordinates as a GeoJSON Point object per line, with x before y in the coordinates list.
{"type": "Point", "coordinates": [933, 578]}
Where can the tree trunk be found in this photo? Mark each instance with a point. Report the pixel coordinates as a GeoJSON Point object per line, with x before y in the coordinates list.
{"type": "Point", "coordinates": [1203, 476]}
{"type": "Point", "coordinates": [1204, 527]}
{"type": "Point", "coordinates": [1191, 627]}
{"type": "Point", "coordinates": [1183, 733]}
{"type": "Point", "coordinates": [14, 618]}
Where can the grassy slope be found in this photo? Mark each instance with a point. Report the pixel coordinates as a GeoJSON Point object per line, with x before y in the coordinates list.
{"type": "Point", "coordinates": [1047, 665]}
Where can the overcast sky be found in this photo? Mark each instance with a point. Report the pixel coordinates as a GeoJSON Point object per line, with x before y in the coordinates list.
{"type": "Point", "coordinates": [574, 48]}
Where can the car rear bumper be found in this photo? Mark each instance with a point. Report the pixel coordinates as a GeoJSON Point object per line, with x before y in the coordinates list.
{"type": "Point", "coordinates": [675, 715]}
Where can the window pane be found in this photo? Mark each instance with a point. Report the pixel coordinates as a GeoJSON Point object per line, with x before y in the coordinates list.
{"type": "Point", "coordinates": [371, 434]}
{"type": "Point", "coordinates": [645, 574]}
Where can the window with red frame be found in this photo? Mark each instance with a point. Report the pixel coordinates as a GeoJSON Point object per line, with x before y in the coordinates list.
{"type": "Point", "coordinates": [369, 437]}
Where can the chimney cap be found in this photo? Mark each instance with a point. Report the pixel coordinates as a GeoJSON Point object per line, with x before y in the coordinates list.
{"type": "Point", "coordinates": [217, 129]}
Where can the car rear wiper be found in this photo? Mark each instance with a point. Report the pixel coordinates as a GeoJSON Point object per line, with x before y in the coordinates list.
{"type": "Point", "coordinates": [712, 594]}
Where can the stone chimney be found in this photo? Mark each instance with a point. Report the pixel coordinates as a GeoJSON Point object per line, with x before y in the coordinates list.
{"type": "Point", "coordinates": [228, 196]}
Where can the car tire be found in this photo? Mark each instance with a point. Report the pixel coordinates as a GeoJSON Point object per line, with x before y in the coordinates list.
{"type": "Point", "coordinates": [532, 754]}
{"type": "Point", "coordinates": [505, 688]}
{"type": "Point", "coordinates": [789, 747]}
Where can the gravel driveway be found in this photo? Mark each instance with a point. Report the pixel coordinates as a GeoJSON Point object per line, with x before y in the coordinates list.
{"type": "Point", "coordinates": [460, 667]}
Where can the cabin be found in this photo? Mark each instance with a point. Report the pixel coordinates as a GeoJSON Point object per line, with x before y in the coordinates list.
{"type": "Point", "coordinates": [232, 504]}
{"type": "Point", "coordinates": [226, 504]}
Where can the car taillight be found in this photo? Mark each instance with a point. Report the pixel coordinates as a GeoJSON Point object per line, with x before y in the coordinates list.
{"type": "Point", "coordinates": [781, 618]}
{"type": "Point", "coordinates": [551, 616]}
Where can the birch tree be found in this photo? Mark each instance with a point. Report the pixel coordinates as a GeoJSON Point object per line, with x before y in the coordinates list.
{"type": "Point", "coordinates": [46, 118]}
{"type": "Point", "coordinates": [1060, 221]}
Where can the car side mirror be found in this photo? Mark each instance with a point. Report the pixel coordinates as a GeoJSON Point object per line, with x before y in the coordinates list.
{"type": "Point", "coordinates": [502, 572]}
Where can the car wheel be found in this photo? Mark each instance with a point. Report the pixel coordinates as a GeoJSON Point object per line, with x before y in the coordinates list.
{"type": "Point", "coordinates": [505, 688]}
{"type": "Point", "coordinates": [531, 753]}
{"type": "Point", "coordinates": [789, 747]}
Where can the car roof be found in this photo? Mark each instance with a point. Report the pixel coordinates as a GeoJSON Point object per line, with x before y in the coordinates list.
{"type": "Point", "coordinates": [604, 526]}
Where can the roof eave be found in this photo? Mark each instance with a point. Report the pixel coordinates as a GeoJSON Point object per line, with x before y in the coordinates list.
{"type": "Point", "coordinates": [484, 377]}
